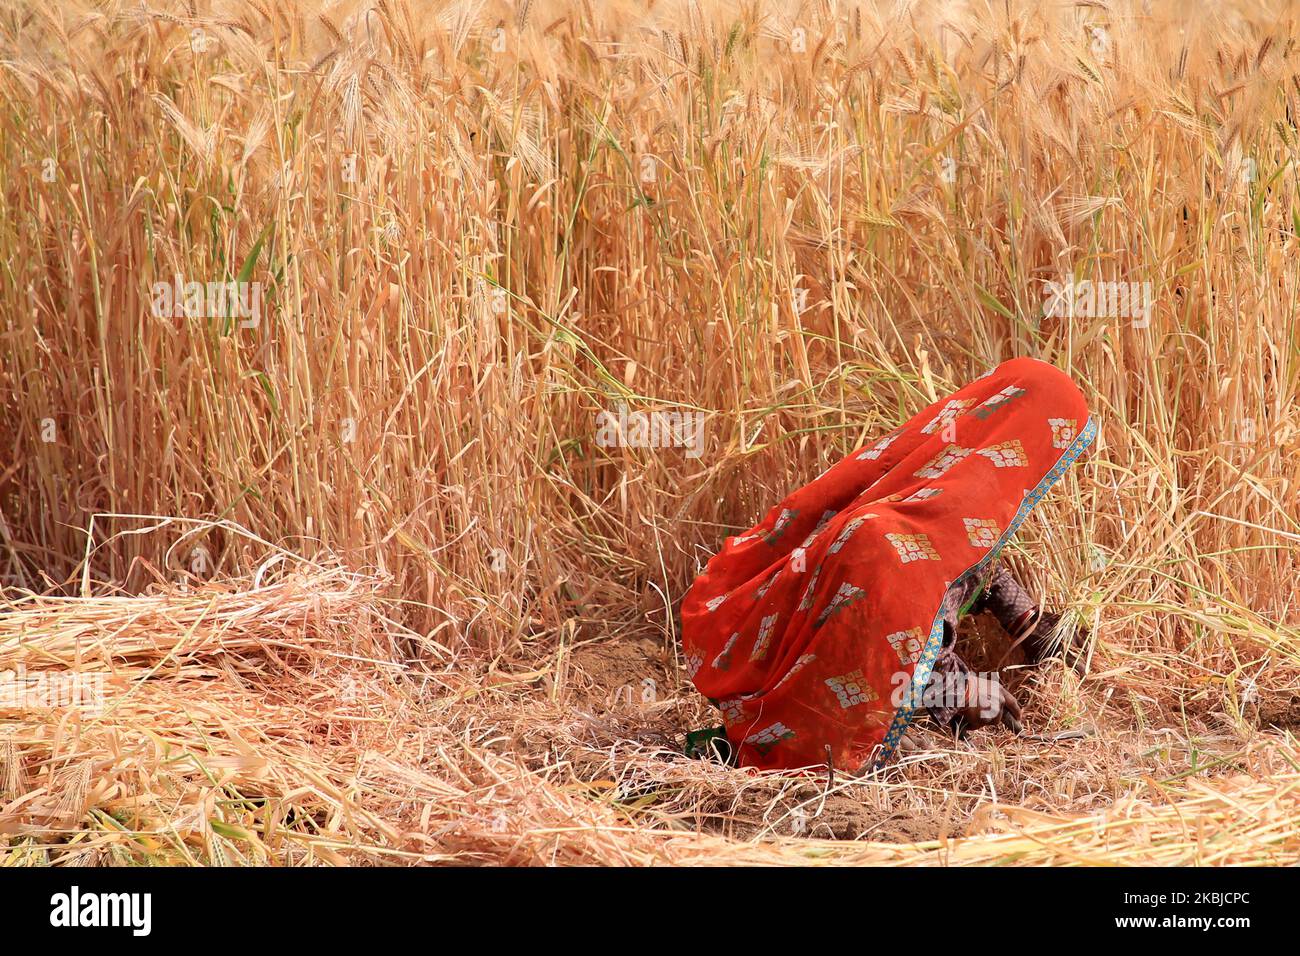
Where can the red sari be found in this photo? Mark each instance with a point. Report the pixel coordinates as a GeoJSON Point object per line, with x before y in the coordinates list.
{"type": "Point", "coordinates": [816, 631]}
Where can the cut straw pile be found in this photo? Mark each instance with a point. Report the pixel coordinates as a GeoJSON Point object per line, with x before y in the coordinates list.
{"type": "Point", "coordinates": [284, 723]}
{"type": "Point", "coordinates": [476, 226]}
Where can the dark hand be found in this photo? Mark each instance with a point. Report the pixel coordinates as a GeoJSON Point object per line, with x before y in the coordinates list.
{"type": "Point", "coordinates": [987, 701]}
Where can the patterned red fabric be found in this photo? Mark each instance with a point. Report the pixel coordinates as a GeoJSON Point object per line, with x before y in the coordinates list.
{"type": "Point", "coordinates": [816, 631]}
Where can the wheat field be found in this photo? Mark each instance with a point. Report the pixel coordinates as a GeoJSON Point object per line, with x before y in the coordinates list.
{"type": "Point", "coordinates": [340, 545]}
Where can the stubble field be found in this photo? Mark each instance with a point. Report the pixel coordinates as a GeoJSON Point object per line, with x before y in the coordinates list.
{"type": "Point", "coordinates": [339, 560]}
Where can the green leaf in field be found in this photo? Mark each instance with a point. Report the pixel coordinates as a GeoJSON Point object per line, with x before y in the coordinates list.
{"type": "Point", "coordinates": [269, 389]}
{"type": "Point", "coordinates": [229, 831]}
{"type": "Point", "coordinates": [991, 301]}
{"type": "Point", "coordinates": [250, 263]}
{"type": "Point", "coordinates": [245, 275]}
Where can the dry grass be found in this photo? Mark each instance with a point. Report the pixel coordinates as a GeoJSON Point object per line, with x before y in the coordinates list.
{"type": "Point", "coordinates": [285, 723]}
{"type": "Point", "coordinates": [444, 658]}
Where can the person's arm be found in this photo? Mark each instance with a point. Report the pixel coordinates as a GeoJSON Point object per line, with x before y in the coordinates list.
{"type": "Point", "coordinates": [961, 700]}
{"type": "Point", "coordinates": [1026, 623]}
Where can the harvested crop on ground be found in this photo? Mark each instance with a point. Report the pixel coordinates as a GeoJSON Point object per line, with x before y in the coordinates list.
{"type": "Point", "coordinates": [314, 543]}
